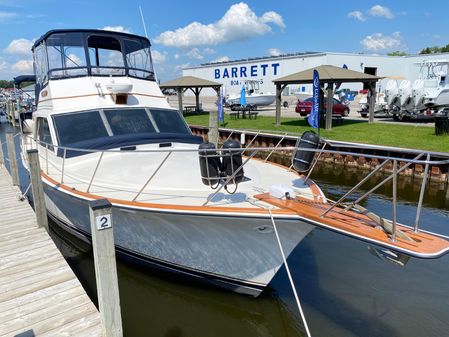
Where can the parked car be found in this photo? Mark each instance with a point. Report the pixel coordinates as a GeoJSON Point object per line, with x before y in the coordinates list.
{"type": "Point", "coordinates": [304, 107]}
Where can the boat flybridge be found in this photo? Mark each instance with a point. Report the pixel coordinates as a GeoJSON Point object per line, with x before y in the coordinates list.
{"type": "Point", "coordinates": [103, 129]}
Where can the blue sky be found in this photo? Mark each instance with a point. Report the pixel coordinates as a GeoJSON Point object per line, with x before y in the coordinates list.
{"type": "Point", "coordinates": [188, 33]}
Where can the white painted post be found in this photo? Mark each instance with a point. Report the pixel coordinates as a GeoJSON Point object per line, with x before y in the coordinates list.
{"type": "Point", "coordinates": [12, 159]}
{"type": "Point", "coordinates": [372, 101]}
{"type": "Point", "coordinates": [101, 225]}
{"type": "Point", "coordinates": [38, 191]}
{"type": "Point", "coordinates": [180, 101]}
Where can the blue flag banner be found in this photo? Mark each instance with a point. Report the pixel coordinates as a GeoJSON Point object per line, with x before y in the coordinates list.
{"type": "Point", "coordinates": [313, 118]}
{"type": "Point", "coordinates": [243, 96]}
{"type": "Point", "coordinates": [220, 108]}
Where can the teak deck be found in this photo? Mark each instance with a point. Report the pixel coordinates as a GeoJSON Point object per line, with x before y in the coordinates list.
{"type": "Point", "coordinates": [39, 293]}
{"type": "Point", "coordinates": [361, 227]}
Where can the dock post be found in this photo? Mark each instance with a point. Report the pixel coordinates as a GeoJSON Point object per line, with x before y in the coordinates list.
{"type": "Point", "coordinates": [12, 159]}
{"type": "Point", "coordinates": [38, 191]}
{"type": "Point", "coordinates": [105, 266]}
{"type": "Point", "coordinates": [13, 119]}
{"type": "Point", "coordinates": [2, 160]}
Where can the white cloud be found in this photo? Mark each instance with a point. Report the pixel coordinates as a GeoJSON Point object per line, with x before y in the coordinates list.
{"type": "Point", "coordinates": [238, 23]}
{"type": "Point", "coordinates": [378, 41]}
{"type": "Point", "coordinates": [358, 15]}
{"type": "Point", "coordinates": [208, 51]}
{"type": "Point", "coordinates": [273, 17]}
{"type": "Point", "coordinates": [74, 61]}
{"type": "Point", "coordinates": [158, 57]}
{"type": "Point", "coordinates": [23, 66]}
{"type": "Point", "coordinates": [381, 11]}
{"type": "Point", "coordinates": [119, 29]}
{"type": "Point", "coordinates": [177, 56]}
{"type": "Point", "coordinates": [4, 16]}
{"type": "Point", "coordinates": [20, 47]}
{"type": "Point", "coordinates": [3, 65]}
{"type": "Point", "coordinates": [178, 68]}
{"type": "Point", "coordinates": [194, 53]}
{"type": "Point", "coordinates": [274, 52]}
{"type": "Point", "coordinates": [221, 59]}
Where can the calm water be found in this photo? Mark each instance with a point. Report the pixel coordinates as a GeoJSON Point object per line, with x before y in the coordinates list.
{"type": "Point", "coordinates": [344, 289]}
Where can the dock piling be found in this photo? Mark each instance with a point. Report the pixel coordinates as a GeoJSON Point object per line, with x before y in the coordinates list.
{"type": "Point", "coordinates": [12, 159]}
{"type": "Point", "coordinates": [2, 160]}
{"type": "Point", "coordinates": [105, 266]}
{"type": "Point", "coordinates": [38, 191]}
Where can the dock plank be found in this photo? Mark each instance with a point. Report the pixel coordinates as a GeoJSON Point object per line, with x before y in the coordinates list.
{"type": "Point", "coordinates": [39, 293]}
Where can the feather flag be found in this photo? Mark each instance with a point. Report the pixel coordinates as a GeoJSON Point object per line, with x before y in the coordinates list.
{"type": "Point", "coordinates": [313, 118]}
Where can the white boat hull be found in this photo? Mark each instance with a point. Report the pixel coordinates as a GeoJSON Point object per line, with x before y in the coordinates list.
{"type": "Point", "coordinates": [237, 251]}
{"type": "Point", "coordinates": [254, 100]}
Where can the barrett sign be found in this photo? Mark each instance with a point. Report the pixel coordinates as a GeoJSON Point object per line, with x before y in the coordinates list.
{"type": "Point", "coordinates": [247, 71]}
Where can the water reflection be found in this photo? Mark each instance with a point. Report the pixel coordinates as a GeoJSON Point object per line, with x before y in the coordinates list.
{"type": "Point", "coordinates": [158, 305]}
{"type": "Point", "coordinates": [345, 290]}
{"type": "Point", "coordinates": [344, 177]}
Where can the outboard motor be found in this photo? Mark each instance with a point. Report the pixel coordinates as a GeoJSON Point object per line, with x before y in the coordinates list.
{"type": "Point", "coordinates": [232, 160]}
{"type": "Point", "coordinates": [302, 160]}
{"type": "Point", "coordinates": [209, 164]}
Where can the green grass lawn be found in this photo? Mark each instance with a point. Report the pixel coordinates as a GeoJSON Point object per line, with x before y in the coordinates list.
{"type": "Point", "coordinates": [406, 136]}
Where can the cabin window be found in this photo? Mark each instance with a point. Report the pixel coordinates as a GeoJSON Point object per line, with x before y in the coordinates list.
{"type": "Point", "coordinates": [66, 56]}
{"type": "Point", "coordinates": [169, 121]}
{"type": "Point", "coordinates": [80, 128]}
{"type": "Point", "coordinates": [40, 64]}
{"type": "Point", "coordinates": [129, 121]}
{"type": "Point", "coordinates": [105, 55]}
{"type": "Point", "coordinates": [77, 127]}
{"type": "Point", "coordinates": [43, 132]}
{"type": "Point", "coordinates": [138, 58]}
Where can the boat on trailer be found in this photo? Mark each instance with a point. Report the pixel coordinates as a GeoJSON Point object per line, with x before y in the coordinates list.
{"type": "Point", "coordinates": [103, 129]}
{"type": "Point", "coordinates": [253, 97]}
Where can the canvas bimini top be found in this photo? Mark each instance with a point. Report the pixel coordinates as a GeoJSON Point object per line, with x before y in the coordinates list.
{"type": "Point", "coordinates": [67, 53]}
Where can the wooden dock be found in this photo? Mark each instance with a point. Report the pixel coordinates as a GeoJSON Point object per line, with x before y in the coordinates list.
{"type": "Point", "coordinates": [39, 293]}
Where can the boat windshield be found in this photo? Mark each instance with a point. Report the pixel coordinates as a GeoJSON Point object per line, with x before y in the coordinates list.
{"type": "Point", "coordinates": [82, 127]}
{"type": "Point", "coordinates": [91, 53]}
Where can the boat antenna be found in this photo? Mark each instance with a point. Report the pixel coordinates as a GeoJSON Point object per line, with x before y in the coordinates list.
{"type": "Point", "coordinates": [143, 22]}
{"type": "Point", "coordinates": [146, 35]}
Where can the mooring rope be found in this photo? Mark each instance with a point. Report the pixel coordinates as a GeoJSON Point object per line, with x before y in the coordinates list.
{"type": "Point", "coordinates": [24, 194]}
{"type": "Point", "coordinates": [290, 276]}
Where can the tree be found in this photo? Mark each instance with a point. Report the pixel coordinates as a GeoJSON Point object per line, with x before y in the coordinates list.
{"type": "Point", "coordinates": [6, 84]}
{"type": "Point", "coordinates": [397, 53]}
{"type": "Point", "coordinates": [435, 49]}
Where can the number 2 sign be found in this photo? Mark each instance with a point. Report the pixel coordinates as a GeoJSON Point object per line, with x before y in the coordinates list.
{"type": "Point", "coordinates": [103, 221]}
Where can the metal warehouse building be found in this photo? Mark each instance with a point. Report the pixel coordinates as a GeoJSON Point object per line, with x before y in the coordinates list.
{"type": "Point", "coordinates": [232, 74]}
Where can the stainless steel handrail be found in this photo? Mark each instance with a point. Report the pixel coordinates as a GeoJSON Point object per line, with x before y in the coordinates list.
{"type": "Point", "coordinates": [381, 183]}
{"type": "Point", "coordinates": [285, 149]}
{"type": "Point", "coordinates": [395, 197]}
{"type": "Point", "coordinates": [63, 165]}
{"type": "Point", "coordinates": [252, 141]}
{"type": "Point", "coordinates": [277, 145]}
{"type": "Point", "coordinates": [152, 176]}
{"type": "Point", "coordinates": [385, 159]}
{"type": "Point", "coordinates": [360, 183]}
{"type": "Point", "coordinates": [421, 195]}
{"type": "Point", "coordinates": [95, 171]}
